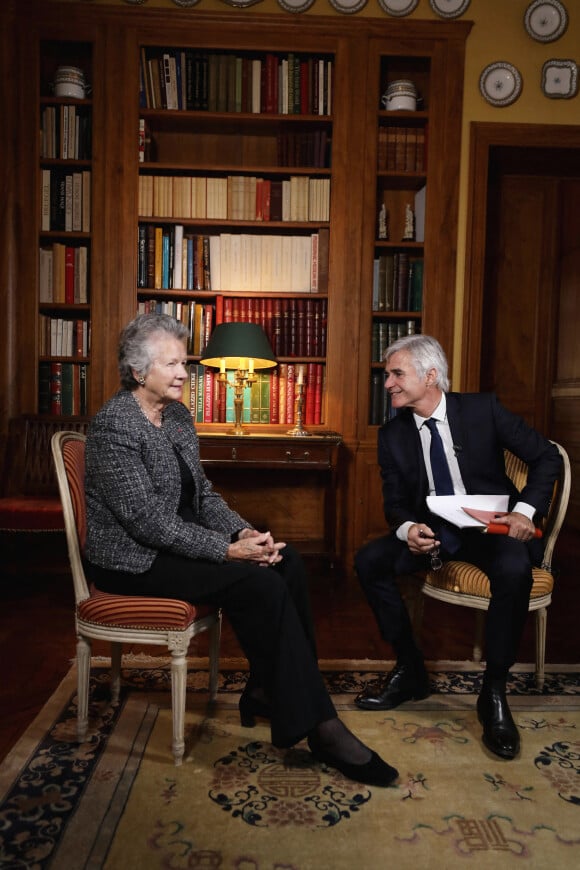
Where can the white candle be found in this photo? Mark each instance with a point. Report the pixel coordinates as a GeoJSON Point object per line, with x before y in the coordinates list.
{"type": "Point", "coordinates": [222, 366]}
{"type": "Point", "coordinates": [300, 376]}
{"type": "Point", "coordinates": [251, 366]}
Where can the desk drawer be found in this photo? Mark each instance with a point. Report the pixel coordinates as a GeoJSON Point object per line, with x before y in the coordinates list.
{"type": "Point", "coordinates": [268, 455]}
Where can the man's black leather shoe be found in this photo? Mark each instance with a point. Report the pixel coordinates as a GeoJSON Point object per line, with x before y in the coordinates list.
{"type": "Point", "coordinates": [500, 733]}
{"type": "Point", "coordinates": [404, 683]}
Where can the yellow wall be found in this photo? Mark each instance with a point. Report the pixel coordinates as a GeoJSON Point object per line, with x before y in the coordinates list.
{"type": "Point", "coordinates": [498, 34]}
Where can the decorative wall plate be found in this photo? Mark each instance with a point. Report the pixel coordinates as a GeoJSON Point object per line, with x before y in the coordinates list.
{"type": "Point", "coordinates": [500, 83]}
{"type": "Point", "coordinates": [449, 8]}
{"type": "Point", "coordinates": [295, 5]}
{"type": "Point", "coordinates": [348, 6]}
{"type": "Point", "coordinates": [186, 2]}
{"type": "Point", "coordinates": [398, 8]}
{"type": "Point", "coordinates": [560, 78]}
{"type": "Point", "coordinates": [241, 4]}
{"type": "Point", "coordinates": [545, 20]}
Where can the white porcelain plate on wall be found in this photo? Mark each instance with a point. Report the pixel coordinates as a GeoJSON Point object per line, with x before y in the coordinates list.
{"type": "Point", "coordinates": [500, 83]}
{"type": "Point", "coordinates": [449, 8]}
{"type": "Point", "coordinates": [545, 20]}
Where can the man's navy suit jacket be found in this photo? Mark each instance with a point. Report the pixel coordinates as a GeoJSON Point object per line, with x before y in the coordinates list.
{"type": "Point", "coordinates": [481, 429]}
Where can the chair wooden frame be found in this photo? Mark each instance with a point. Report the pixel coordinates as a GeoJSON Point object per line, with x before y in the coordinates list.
{"type": "Point", "coordinates": [467, 586]}
{"type": "Point", "coordinates": [125, 619]}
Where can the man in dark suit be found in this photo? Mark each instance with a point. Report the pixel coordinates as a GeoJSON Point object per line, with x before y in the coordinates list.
{"type": "Point", "coordinates": [460, 452]}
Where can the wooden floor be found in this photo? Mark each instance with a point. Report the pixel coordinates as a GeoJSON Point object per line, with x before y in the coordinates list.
{"type": "Point", "coordinates": [37, 640]}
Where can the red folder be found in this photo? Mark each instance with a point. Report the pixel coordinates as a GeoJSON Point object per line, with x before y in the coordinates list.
{"type": "Point", "coordinates": [490, 521]}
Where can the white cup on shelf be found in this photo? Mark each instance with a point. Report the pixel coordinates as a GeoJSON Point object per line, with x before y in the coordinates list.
{"type": "Point", "coordinates": [69, 81]}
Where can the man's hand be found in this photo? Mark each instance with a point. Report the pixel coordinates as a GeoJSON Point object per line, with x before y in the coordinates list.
{"type": "Point", "coordinates": [520, 527]}
{"type": "Point", "coordinates": [421, 539]}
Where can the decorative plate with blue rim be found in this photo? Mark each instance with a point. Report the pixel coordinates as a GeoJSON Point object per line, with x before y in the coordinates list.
{"type": "Point", "coordinates": [545, 20]}
{"type": "Point", "coordinates": [560, 79]}
{"type": "Point", "coordinates": [449, 8]}
{"type": "Point", "coordinates": [398, 8]}
{"type": "Point", "coordinates": [500, 83]}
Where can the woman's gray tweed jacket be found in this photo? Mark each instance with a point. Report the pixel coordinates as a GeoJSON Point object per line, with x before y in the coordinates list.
{"type": "Point", "coordinates": [133, 486]}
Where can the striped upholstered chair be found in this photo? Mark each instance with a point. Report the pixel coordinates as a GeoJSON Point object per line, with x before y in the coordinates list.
{"type": "Point", "coordinates": [464, 584]}
{"type": "Point", "coordinates": [124, 619]}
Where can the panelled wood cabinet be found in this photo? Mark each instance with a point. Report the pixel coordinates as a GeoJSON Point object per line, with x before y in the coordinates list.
{"type": "Point", "coordinates": [289, 106]}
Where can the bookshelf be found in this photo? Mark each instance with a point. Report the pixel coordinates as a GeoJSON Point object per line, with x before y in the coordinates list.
{"type": "Point", "coordinates": [234, 211]}
{"type": "Point", "coordinates": [64, 235]}
{"type": "Point", "coordinates": [402, 151]}
{"type": "Point", "coordinates": [150, 166]}
{"type": "Point", "coordinates": [408, 268]}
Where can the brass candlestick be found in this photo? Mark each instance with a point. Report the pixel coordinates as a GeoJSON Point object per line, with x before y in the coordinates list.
{"type": "Point", "coordinates": [298, 429]}
{"type": "Point", "coordinates": [242, 379]}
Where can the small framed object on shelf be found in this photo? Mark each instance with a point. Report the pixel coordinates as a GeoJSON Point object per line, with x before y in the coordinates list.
{"type": "Point", "coordinates": [449, 8]}
{"type": "Point", "coordinates": [560, 79]}
{"type": "Point", "coordinates": [545, 20]}
{"type": "Point", "coordinates": [500, 83]}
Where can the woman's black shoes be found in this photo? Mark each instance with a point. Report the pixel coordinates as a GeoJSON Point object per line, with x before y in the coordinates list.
{"type": "Point", "coordinates": [252, 708]}
{"type": "Point", "coordinates": [374, 772]}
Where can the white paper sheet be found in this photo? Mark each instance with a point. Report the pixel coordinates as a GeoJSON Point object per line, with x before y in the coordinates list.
{"type": "Point", "coordinates": [450, 507]}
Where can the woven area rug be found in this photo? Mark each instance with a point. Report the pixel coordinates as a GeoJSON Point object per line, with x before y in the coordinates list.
{"type": "Point", "coordinates": [118, 802]}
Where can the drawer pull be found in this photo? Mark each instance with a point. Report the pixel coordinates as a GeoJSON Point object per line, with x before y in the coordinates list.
{"type": "Point", "coordinates": [288, 454]}
{"type": "Point", "coordinates": [234, 453]}
{"type": "Point", "coordinates": [307, 454]}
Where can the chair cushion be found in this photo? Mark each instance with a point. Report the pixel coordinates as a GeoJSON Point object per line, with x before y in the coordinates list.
{"type": "Point", "coordinates": [22, 513]}
{"type": "Point", "coordinates": [139, 612]}
{"type": "Point", "coordinates": [466, 579]}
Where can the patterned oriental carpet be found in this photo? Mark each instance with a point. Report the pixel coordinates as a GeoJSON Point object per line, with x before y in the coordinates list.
{"type": "Point", "coordinates": [237, 803]}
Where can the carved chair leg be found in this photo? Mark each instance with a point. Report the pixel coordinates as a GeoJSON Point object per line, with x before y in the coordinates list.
{"type": "Point", "coordinates": [116, 655]}
{"type": "Point", "coordinates": [214, 653]}
{"type": "Point", "coordinates": [83, 679]}
{"type": "Point", "coordinates": [541, 623]}
{"type": "Point", "coordinates": [178, 688]}
{"type": "Point", "coordinates": [479, 627]}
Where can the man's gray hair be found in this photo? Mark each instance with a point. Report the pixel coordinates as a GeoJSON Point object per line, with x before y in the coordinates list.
{"type": "Point", "coordinates": [426, 353]}
{"type": "Point", "coordinates": [135, 353]}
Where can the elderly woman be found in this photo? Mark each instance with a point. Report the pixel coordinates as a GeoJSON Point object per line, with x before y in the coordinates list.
{"type": "Point", "coordinates": [156, 527]}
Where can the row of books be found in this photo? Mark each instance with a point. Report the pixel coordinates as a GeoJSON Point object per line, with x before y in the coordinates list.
{"type": "Point", "coordinates": [235, 197]}
{"type": "Point", "coordinates": [270, 399]}
{"type": "Point", "coordinates": [384, 333]}
{"type": "Point", "coordinates": [62, 388]}
{"type": "Point", "coordinates": [65, 200]}
{"type": "Point", "coordinates": [63, 273]}
{"type": "Point", "coordinates": [66, 133]}
{"type": "Point", "coordinates": [199, 317]}
{"type": "Point", "coordinates": [59, 336]}
{"type": "Point", "coordinates": [170, 258]}
{"type": "Point", "coordinates": [295, 327]}
{"type": "Point", "coordinates": [220, 82]}
{"type": "Point", "coordinates": [402, 149]}
{"type": "Point", "coordinates": [397, 282]}
{"type": "Point", "coordinates": [381, 408]}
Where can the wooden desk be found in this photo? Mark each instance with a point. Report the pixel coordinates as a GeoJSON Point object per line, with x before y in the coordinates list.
{"type": "Point", "coordinates": [279, 482]}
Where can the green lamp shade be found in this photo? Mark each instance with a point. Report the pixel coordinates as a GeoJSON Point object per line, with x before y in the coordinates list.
{"type": "Point", "coordinates": [233, 342]}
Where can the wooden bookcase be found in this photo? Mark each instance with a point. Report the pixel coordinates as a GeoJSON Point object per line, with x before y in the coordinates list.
{"type": "Point", "coordinates": [64, 240]}
{"type": "Point", "coordinates": [217, 143]}
{"type": "Point", "coordinates": [234, 209]}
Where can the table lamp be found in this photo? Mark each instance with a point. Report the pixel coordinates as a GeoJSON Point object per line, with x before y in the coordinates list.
{"type": "Point", "coordinates": [243, 347]}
